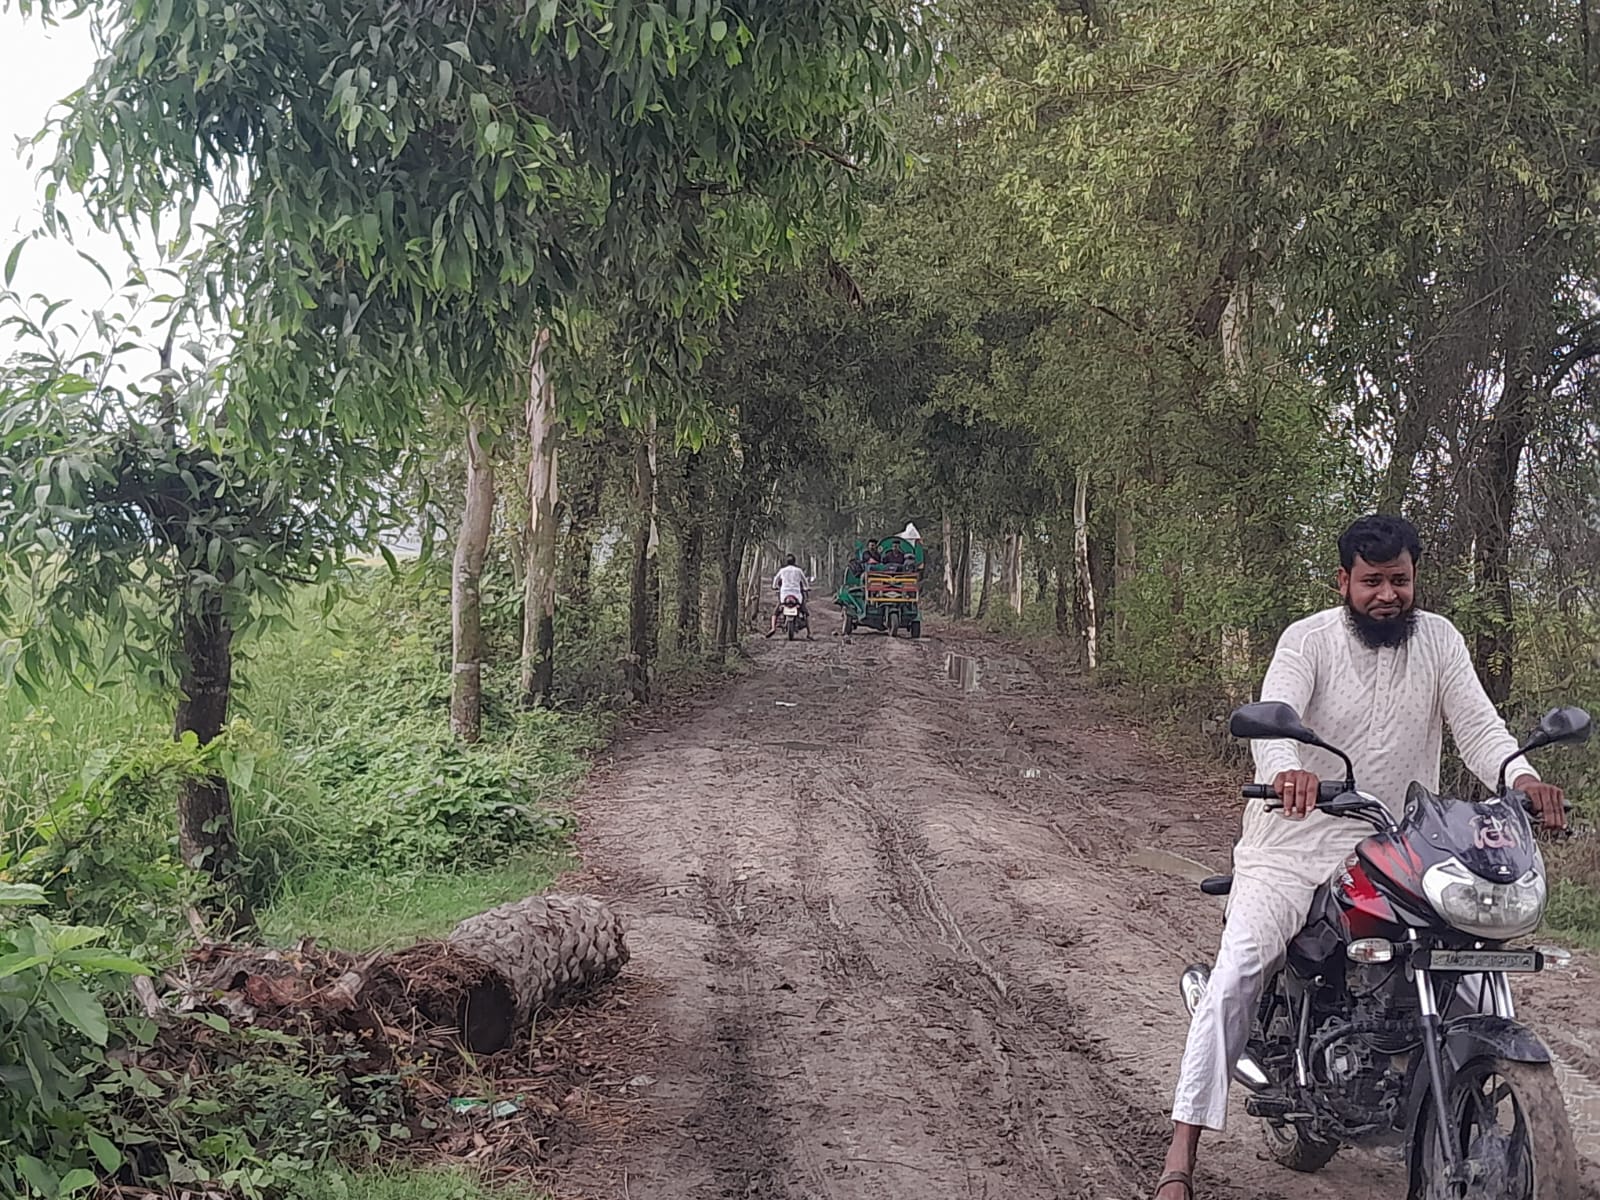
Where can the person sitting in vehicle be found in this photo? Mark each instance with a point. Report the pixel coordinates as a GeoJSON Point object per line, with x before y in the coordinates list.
{"type": "Point", "coordinates": [791, 581]}
{"type": "Point", "coordinates": [894, 557]}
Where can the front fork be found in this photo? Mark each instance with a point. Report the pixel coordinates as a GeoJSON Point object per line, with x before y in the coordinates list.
{"type": "Point", "coordinates": [1493, 995]}
{"type": "Point", "coordinates": [1432, 1031]}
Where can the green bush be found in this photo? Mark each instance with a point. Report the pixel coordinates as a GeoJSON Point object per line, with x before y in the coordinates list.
{"type": "Point", "coordinates": [57, 1132]}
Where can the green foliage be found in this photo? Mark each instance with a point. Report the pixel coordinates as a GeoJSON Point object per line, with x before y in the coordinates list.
{"type": "Point", "coordinates": [128, 499]}
{"type": "Point", "coordinates": [102, 848]}
{"type": "Point", "coordinates": [59, 1133]}
{"type": "Point", "coordinates": [503, 170]}
{"type": "Point", "coordinates": [361, 703]}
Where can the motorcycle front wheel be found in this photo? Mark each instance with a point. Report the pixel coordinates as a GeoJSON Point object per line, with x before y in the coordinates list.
{"type": "Point", "coordinates": [1508, 1120]}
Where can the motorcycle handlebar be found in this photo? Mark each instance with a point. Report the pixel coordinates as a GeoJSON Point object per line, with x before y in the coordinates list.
{"type": "Point", "coordinates": [1327, 789]}
{"type": "Point", "coordinates": [1330, 789]}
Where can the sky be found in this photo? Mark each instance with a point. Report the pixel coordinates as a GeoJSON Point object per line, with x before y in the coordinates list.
{"type": "Point", "coordinates": [38, 67]}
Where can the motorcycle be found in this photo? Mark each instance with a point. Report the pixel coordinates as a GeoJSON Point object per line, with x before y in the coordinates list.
{"type": "Point", "coordinates": [1391, 1022]}
{"type": "Point", "coordinates": [792, 616]}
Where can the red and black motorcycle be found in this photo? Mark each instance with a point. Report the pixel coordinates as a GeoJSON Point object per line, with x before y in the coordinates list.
{"type": "Point", "coordinates": [1391, 1023]}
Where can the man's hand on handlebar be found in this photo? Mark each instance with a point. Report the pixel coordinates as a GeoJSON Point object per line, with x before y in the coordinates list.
{"type": "Point", "coordinates": [1298, 790]}
{"type": "Point", "coordinates": [1547, 801]}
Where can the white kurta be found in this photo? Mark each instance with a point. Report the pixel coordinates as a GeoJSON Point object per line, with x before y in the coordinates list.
{"type": "Point", "coordinates": [1387, 709]}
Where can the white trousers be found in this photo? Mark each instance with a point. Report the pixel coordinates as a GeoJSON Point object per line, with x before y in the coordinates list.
{"type": "Point", "coordinates": [1264, 913]}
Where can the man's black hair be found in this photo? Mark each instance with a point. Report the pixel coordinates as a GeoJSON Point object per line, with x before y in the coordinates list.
{"type": "Point", "coordinates": [789, 562]}
{"type": "Point", "coordinates": [1379, 538]}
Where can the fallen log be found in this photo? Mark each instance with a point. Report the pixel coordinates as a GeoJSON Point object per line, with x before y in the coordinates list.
{"type": "Point", "coordinates": [483, 984]}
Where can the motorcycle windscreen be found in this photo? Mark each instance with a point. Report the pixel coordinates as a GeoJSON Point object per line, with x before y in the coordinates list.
{"type": "Point", "coordinates": [1493, 838]}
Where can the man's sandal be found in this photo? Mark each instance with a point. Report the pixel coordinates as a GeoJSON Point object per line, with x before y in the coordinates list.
{"type": "Point", "coordinates": [1171, 1177]}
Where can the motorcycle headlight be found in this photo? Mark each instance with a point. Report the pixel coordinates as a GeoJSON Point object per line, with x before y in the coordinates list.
{"type": "Point", "coordinates": [1489, 910]}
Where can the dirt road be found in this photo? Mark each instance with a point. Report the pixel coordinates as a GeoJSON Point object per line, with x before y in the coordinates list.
{"type": "Point", "coordinates": [897, 934]}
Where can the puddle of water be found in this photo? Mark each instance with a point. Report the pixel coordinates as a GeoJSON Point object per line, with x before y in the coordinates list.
{"type": "Point", "coordinates": [1167, 863]}
{"type": "Point", "coordinates": [961, 669]}
{"type": "Point", "coordinates": [1583, 1107]}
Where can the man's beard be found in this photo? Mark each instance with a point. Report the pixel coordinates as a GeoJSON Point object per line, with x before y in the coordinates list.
{"type": "Point", "coordinates": [1376, 633]}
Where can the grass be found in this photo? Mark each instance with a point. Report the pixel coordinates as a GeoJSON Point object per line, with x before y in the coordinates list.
{"type": "Point", "coordinates": [1574, 912]}
{"type": "Point", "coordinates": [363, 910]}
{"type": "Point", "coordinates": [403, 1184]}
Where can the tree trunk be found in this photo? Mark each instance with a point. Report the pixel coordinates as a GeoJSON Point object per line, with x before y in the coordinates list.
{"type": "Point", "coordinates": [1063, 602]}
{"type": "Point", "coordinates": [539, 580]}
{"type": "Point", "coordinates": [1041, 579]}
{"type": "Point", "coordinates": [584, 472]}
{"type": "Point", "coordinates": [484, 984]}
{"type": "Point", "coordinates": [1088, 624]}
{"type": "Point", "coordinates": [988, 576]}
{"type": "Point", "coordinates": [205, 809]}
{"type": "Point", "coordinates": [644, 599]}
{"type": "Point", "coordinates": [546, 947]}
{"type": "Point", "coordinates": [952, 596]}
{"type": "Point", "coordinates": [730, 560]}
{"type": "Point", "coordinates": [466, 618]}
{"type": "Point", "coordinates": [1492, 517]}
{"type": "Point", "coordinates": [964, 573]}
{"type": "Point", "coordinates": [1124, 566]}
{"type": "Point", "coordinates": [1008, 564]}
{"type": "Point", "coordinates": [691, 559]}
{"type": "Point", "coordinates": [1016, 573]}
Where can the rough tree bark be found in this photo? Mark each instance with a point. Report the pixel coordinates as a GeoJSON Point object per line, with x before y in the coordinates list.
{"type": "Point", "coordinates": [952, 598]}
{"type": "Point", "coordinates": [1016, 571]}
{"type": "Point", "coordinates": [1088, 624]}
{"type": "Point", "coordinates": [1124, 566]}
{"type": "Point", "coordinates": [644, 597]}
{"type": "Point", "coordinates": [988, 578]}
{"type": "Point", "coordinates": [546, 947]}
{"type": "Point", "coordinates": [584, 472]}
{"type": "Point", "coordinates": [539, 540]}
{"type": "Point", "coordinates": [205, 809]}
{"type": "Point", "coordinates": [964, 572]}
{"type": "Point", "coordinates": [466, 617]}
{"type": "Point", "coordinates": [691, 558]}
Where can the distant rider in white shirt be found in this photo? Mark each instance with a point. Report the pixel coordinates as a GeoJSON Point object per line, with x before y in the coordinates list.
{"type": "Point", "coordinates": [791, 581]}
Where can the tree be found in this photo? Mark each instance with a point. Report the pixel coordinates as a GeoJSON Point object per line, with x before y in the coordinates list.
{"type": "Point", "coordinates": [150, 532]}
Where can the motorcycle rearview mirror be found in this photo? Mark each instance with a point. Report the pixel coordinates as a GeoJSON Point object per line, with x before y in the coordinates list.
{"type": "Point", "coordinates": [1559, 725]}
{"type": "Point", "coordinates": [1272, 719]}
{"type": "Point", "coordinates": [1564, 725]}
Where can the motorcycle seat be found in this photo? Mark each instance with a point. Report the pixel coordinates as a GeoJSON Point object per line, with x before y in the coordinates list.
{"type": "Point", "coordinates": [1217, 885]}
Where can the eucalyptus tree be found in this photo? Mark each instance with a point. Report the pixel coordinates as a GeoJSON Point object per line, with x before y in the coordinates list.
{"type": "Point", "coordinates": [144, 529]}
{"type": "Point", "coordinates": [416, 202]}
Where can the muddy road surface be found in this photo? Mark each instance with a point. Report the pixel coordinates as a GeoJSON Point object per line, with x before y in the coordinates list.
{"type": "Point", "coordinates": [907, 919]}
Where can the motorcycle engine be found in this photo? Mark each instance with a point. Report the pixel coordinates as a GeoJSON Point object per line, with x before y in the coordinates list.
{"type": "Point", "coordinates": [1353, 1054]}
{"type": "Point", "coordinates": [1361, 1084]}
{"type": "Point", "coordinates": [1383, 1007]}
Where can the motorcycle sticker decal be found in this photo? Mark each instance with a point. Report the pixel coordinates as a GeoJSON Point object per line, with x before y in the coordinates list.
{"type": "Point", "coordinates": [1494, 833]}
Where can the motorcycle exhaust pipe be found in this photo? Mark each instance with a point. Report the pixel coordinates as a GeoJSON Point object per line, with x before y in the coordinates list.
{"type": "Point", "coordinates": [1247, 1070]}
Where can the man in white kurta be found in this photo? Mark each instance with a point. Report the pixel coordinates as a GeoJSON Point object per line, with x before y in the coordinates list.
{"type": "Point", "coordinates": [1379, 680]}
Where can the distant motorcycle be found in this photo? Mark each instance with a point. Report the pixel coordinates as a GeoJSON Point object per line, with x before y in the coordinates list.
{"type": "Point", "coordinates": [1392, 1022]}
{"type": "Point", "coordinates": [791, 615]}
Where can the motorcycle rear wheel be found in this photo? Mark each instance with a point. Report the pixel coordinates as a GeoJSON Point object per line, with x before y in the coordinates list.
{"type": "Point", "coordinates": [1290, 1146]}
{"type": "Point", "coordinates": [1540, 1156]}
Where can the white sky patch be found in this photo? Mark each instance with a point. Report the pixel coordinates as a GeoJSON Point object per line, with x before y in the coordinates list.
{"type": "Point", "coordinates": [38, 67]}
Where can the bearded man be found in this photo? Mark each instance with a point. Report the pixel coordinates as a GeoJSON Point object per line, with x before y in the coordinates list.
{"type": "Point", "coordinates": [1380, 679]}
